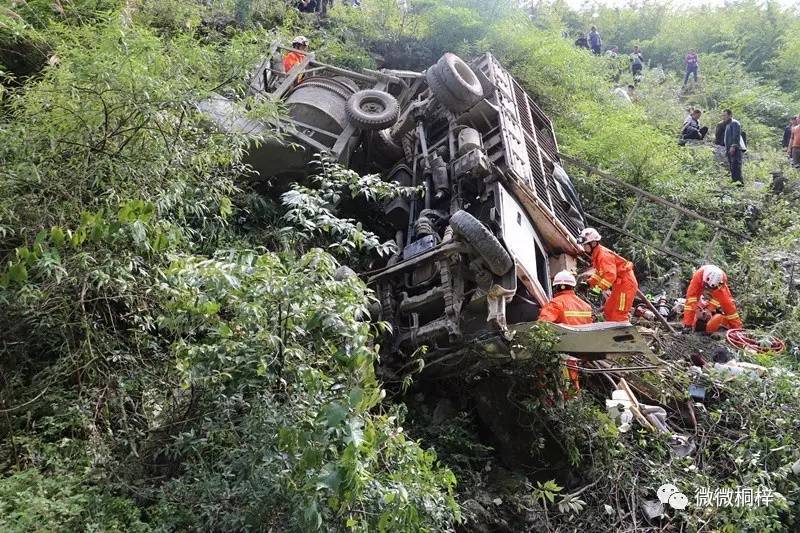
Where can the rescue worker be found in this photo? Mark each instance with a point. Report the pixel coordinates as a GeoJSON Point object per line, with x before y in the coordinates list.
{"type": "Point", "coordinates": [300, 45]}
{"type": "Point", "coordinates": [711, 281]}
{"type": "Point", "coordinates": [566, 307]}
{"type": "Point", "coordinates": [612, 275]}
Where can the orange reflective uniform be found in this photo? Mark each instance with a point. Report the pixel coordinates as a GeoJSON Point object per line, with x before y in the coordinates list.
{"type": "Point", "coordinates": [615, 273]}
{"type": "Point", "coordinates": [574, 376]}
{"type": "Point", "coordinates": [291, 59]}
{"type": "Point", "coordinates": [566, 308]}
{"type": "Point", "coordinates": [720, 297]}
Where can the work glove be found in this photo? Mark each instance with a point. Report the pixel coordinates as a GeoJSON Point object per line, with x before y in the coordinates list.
{"type": "Point", "coordinates": [596, 290]}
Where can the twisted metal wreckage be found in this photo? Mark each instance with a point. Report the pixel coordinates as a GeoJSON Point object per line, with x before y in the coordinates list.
{"type": "Point", "coordinates": [498, 215]}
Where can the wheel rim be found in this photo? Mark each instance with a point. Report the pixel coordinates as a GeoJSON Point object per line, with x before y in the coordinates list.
{"type": "Point", "coordinates": [465, 73]}
{"type": "Point", "coordinates": [372, 107]}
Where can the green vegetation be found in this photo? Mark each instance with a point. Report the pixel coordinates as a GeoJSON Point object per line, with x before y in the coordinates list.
{"type": "Point", "coordinates": [176, 353]}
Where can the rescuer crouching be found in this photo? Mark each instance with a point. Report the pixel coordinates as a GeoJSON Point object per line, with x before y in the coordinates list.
{"type": "Point", "coordinates": [569, 309]}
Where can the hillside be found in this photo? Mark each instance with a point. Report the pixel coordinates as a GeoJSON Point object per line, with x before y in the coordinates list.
{"type": "Point", "coordinates": [179, 353]}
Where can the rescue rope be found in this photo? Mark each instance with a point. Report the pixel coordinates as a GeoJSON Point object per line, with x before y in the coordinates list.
{"type": "Point", "coordinates": [741, 339]}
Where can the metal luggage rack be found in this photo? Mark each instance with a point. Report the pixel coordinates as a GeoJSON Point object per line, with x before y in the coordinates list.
{"type": "Point", "coordinates": [524, 144]}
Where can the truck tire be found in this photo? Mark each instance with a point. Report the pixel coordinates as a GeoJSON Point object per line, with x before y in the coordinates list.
{"type": "Point", "coordinates": [387, 146]}
{"type": "Point", "coordinates": [442, 94]}
{"type": "Point", "coordinates": [371, 109]}
{"type": "Point", "coordinates": [472, 231]}
{"type": "Point", "coordinates": [459, 79]}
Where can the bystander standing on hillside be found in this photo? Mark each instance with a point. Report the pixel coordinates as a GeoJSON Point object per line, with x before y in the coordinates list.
{"type": "Point", "coordinates": [719, 144]}
{"type": "Point", "coordinates": [691, 66]}
{"type": "Point", "coordinates": [734, 145]}
{"type": "Point", "coordinates": [719, 134]}
{"type": "Point", "coordinates": [794, 143]}
{"type": "Point", "coordinates": [595, 42]}
{"type": "Point", "coordinates": [637, 63]}
{"type": "Point", "coordinates": [613, 54]}
{"type": "Point", "coordinates": [787, 132]}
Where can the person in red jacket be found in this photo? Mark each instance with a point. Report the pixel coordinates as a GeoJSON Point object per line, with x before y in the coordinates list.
{"type": "Point", "coordinates": [566, 307]}
{"type": "Point", "coordinates": [710, 281]}
{"type": "Point", "coordinates": [612, 275]}
{"type": "Point", "coordinates": [300, 45]}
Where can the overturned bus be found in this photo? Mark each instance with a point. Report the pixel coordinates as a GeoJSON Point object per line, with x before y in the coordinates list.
{"type": "Point", "coordinates": [499, 215]}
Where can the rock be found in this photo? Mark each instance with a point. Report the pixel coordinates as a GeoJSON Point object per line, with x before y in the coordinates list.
{"type": "Point", "coordinates": [375, 310]}
{"type": "Point", "coordinates": [682, 446]}
{"type": "Point", "coordinates": [444, 411]}
{"type": "Point", "coordinates": [505, 481]}
{"type": "Point", "coordinates": [476, 515]}
{"type": "Point", "coordinates": [344, 272]}
{"type": "Point", "coordinates": [697, 392]}
{"type": "Point", "coordinates": [652, 509]}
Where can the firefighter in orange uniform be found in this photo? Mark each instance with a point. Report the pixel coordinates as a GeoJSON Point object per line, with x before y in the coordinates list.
{"type": "Point", "coordinates": [300, 45]}
{"type": "Point", "coordinates": [566, 307]}
{"type": "Point", "coordinates": [613, 275]}
{"type": "Point", "coordinates": [711, 281]}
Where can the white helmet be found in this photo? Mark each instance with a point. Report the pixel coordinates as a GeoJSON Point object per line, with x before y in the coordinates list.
{"type": "Point", "coordinates": [300, 39]}
{"type": "Point", "coordinates": [712, 276]}
{"type": "Point", "coordinates": [564, 277]}
{"type": "Point", "coordinates": [588, 235]}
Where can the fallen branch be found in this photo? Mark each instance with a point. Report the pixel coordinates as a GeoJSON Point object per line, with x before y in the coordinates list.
{"type": "Point", "coordinates": [26, 403]}
{"type": "Point", "coordinates": [634, 407]}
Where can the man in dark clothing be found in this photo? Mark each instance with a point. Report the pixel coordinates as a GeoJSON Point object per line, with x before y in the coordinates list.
{"type": "Point", "coordinates": [733, 145]}
{"type": "Point", "coordinates": [719, 144]}
{"type": "Point", "coordinates": [787, 132]}
{"type": "Point", "coordinates": [582, 42]}
{"type": "Point", "coordinates": [307, 6]}
{"type": "Point", "coordinates": [719, 134]}
{"type": "Point", "coordinates": [691, 127]}
{"type": "Point", "coordinates": [637, 63]}
{"type": "Point", "coordinates": [595, 42]}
